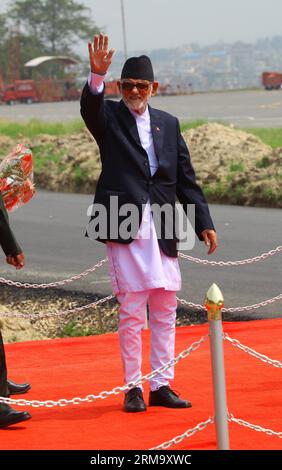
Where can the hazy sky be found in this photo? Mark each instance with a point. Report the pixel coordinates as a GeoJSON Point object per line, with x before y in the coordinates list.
{"type": "Point", "coordinates": [153, 24]}
{"type": "Point", "coordinates": [169, 23]}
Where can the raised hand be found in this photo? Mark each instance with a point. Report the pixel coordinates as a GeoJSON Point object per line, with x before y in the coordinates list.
{"type": "Point", "coordinates": [99, 56]}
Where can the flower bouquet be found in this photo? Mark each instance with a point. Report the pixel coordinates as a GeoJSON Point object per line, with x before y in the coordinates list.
{"type": "Point", "coordinates": [16, 178]}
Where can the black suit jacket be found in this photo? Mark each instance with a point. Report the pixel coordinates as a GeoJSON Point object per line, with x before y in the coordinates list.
{"type": "Point", "coordinates": [7, 239]}
{"type": "Point", "coordinates": [125, 166]}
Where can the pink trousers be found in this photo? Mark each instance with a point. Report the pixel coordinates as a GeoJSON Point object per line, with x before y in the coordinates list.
{"type": "Point", "coordinates": [162, 313]}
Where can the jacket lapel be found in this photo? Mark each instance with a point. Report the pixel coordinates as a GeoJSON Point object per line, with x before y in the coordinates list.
{"type": "Point", "coordinates": [157, 127]}
{"type": "Point", "coordinates": [157, 131]}
{"type": "Point", "coordinates": [129, 123]}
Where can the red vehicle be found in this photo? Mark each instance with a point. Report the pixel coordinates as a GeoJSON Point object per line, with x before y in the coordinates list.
{"type": "Point", "coordinates": [272, 80]}
{"type": "Point", "coordinates": [48, 90]}
{"type": "Point", "coordinates": [23, 91]}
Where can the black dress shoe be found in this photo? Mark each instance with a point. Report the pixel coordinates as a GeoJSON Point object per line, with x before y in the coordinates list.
{"type": "Point", "coordinates": [133, 401]}
{"type": "Point", "coordinates": [164, 396]}
{"type": "Point", "coordinates": [9, 416]}
{"type": "Point", "coordinates": [17, 389]}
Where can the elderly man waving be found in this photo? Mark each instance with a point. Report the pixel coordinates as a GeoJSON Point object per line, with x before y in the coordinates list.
{"type": "Point", "coordinates": [145, 161]}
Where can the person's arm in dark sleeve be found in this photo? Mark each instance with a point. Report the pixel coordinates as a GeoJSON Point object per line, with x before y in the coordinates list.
{"type": "Point", "coordinates": [188, 191]}
{"type": "Point", "coordinates": [8, 241]}
{"type": "Point", "coordinates": [92, 110]}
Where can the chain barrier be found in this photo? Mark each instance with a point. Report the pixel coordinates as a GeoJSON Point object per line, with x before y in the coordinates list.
{"type": "Point", "coordinates": [85, 273]}
{"type": "Point", "coordinates": [186, 434]}
{"type": "Point", "coordinates": [255, 306]}
{"type": "Point", "coordinates": [27, 285]}
{"type": "Point", "coordinates": [261, 257]}
{"type": "Point", "coordinates": [190, 304]}
{"type": "Point", "coordinates": [38, 316]}
{"type": "Point", "coordinates": [211, 420]}
{"type": "Point", "coordinates": [254, 427]}
{"type": "Point", "coordinates": [252, 352]}
{"type": "Point", "coordinates": [105, 394]}
{"type": "Point", "coordinates": [234, 309]}
{"type": "Point", "coordinates": [115, 391]}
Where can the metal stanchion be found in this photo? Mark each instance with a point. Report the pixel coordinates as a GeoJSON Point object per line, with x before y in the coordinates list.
{"type": "Point", "coordinates": [214, 304]}
{"type": "Point", "coordinates": [146, 321]}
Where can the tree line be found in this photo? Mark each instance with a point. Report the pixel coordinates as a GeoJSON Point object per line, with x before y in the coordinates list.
{"type": "Point", "coordinates": [32, 28]}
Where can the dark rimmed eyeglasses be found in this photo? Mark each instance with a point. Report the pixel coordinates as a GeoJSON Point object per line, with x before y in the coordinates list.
{"type": "Point", "coordinates": [128, 86]}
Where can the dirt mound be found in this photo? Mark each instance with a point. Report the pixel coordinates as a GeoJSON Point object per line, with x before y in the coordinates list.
{"type": "Point", "coordinates": [232, 166]}
{"type": "Point", "coordinates": [93, 321]}
{"type": "Point", "coordinates": [18, 329]}
{"type": "Point", "coordinates": [235, 167]}
{"type": "Point", "coordinates": [68, 163]}
{"type": "Point", "coordinates": [214, 148]}
{"type": "Point", "coordinates": [90, 321]}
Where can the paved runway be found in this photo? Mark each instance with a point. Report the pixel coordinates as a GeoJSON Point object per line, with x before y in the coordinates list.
{"type": "Point", "coordinates": [51, 227]}
{"type": "Point", "coordinates": [258, 108]}
{"type": "Point", "coordinates": [51, 231]}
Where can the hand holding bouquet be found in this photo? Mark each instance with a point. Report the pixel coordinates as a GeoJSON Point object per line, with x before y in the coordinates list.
{"type": "Point", "coordinates": [16, 178]}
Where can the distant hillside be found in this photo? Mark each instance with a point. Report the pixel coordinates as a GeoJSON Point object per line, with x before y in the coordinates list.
{"type": "Point", "coordinates": [217, 66]}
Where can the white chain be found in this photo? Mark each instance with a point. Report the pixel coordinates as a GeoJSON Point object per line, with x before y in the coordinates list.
{"type": "Point", "coordinates": [261, 257]}
{"type": "Point", "coordinates": [27, 285]}
{"type": "Point", "coordinates": [210, 420]}
{"type": "Point", "coordinates": [38, 316]}
{"type": "Point", "coordinates": [190, 304]}
{"type": "Point", "coordinates": [255, 427]}
{"type": "Point", "coordinates": [234, 309]}
{"type": "Point", "coordinates": [188, 433]}
{"type": "Point", "coordinates": [252, 352]}
{"type": "Point", "coordinates": [85, 273]}
{"type": "Point", "coordinates": [105, 394]}
{"type": "Point", "coordinates": [252, 307]}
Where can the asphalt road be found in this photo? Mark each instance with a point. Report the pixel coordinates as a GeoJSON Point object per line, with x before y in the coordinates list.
{"type": "Point", "coordinates": [51, 230]}
{"type": "Point", "coordinates": [258, 108]}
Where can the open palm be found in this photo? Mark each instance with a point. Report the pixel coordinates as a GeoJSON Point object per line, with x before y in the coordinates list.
{"type": "Point", "coordinates": [99, 56]}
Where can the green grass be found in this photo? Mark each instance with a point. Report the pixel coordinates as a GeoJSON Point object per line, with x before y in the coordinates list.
{"type": "Point", "coordinates": [35, 127]}
{"type": "Point", "coordinates": [72, 329]}
{"type": "Point", "coordinates": [236, 167]}
{"type": "Point", "coordinates": [270, 136]}
{"type": "Point", "coordinates": [43, 154]}
{"type": "Point", "coordinates": [264, 162]}
{"type": "Point", "coordinates": [184, 126]}
{"type": "Point", "coordinates": [80, 175]}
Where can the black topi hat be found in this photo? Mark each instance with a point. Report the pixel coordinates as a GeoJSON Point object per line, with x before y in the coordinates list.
{"type": "Point", "coordinates": [138, 68]}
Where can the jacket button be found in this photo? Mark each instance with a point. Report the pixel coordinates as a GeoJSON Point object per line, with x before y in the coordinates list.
{"type": "Point", "coordinates": [151, 182]}
{"type": "Point", "coordinates": [146, 163]}
{"type": "Point", "coordinates": [143, 199]}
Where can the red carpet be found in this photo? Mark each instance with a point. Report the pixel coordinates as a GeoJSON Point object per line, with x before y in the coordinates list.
{"type": "Point", "coordinates": [66, 368]}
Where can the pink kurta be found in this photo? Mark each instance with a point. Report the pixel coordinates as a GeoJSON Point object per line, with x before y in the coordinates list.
{"type": "Point", "coordinates": [141, 265]}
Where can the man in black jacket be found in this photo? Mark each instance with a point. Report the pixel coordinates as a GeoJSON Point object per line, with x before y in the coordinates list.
{"type": "Point", "coordinates": [15, 257]}
{"type": "Point", "coordinates": [145, 163]}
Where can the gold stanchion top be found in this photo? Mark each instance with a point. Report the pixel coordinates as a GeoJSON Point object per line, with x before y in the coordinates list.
{"type": "Point", "coordinates": [214, 302]}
